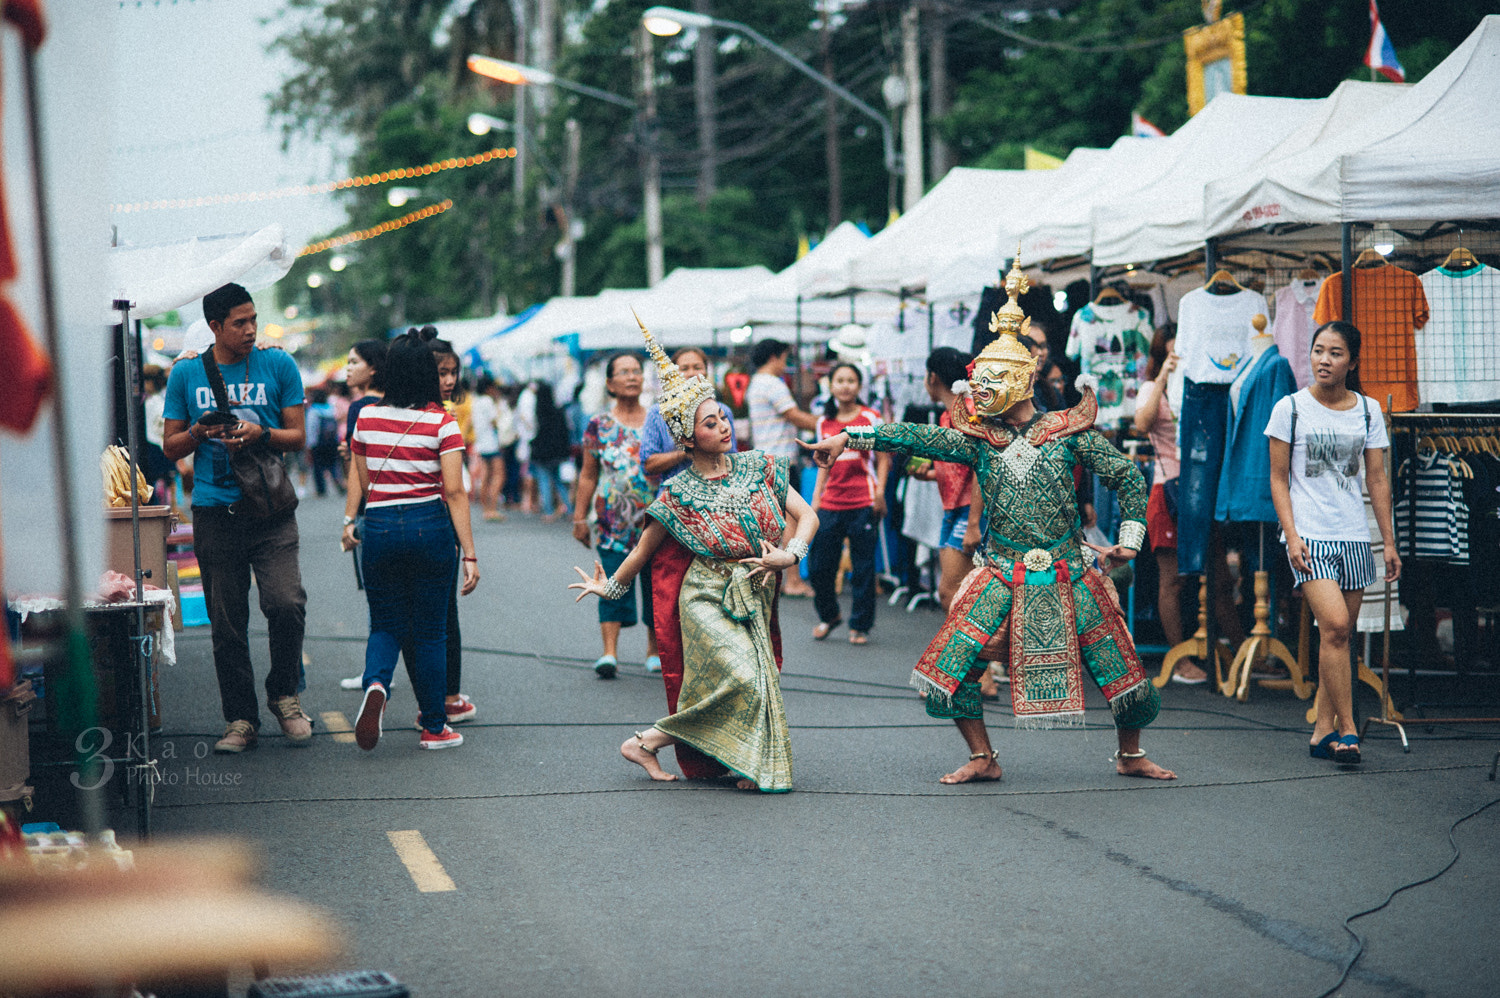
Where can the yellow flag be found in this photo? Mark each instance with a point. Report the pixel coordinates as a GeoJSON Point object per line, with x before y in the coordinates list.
{"type": "Point", "coordinates": [1041, 161]}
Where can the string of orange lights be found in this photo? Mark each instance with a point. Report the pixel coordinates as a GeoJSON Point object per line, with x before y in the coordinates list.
{"type": "Point", "coordinates": [323, 245]}
{"type": "Point", "coordinates": [369, 179]}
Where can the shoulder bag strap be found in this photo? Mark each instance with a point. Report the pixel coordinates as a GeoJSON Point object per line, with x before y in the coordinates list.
{"type": "Point", "coordinates": [1293, 442]}
{"type": "Point", "coordinates": [216, 380]}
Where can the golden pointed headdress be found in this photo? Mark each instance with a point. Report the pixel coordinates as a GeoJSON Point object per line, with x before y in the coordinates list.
{"type": "Point", "coordinates": [1001, 375]}
{"type": "Point", "coordinates": [680, 395]}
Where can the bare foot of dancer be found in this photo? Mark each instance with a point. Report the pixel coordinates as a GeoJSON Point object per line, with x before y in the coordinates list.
{"type": "Point", "coordinates": [1140, 766]}
{"type": "Point", "coordinates": [746, 785]}
{"type": "Point", "coordinates": [637, 751]}
{"type": "Point", "coordinates": [981, 768]}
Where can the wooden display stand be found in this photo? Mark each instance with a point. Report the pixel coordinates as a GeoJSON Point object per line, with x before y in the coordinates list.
{"type": "Point", "coordinates": [1260, 647]}
{"type": "Point", "coordinates": [1195, 646]}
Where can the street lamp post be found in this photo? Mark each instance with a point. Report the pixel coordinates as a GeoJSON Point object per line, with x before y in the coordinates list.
{"type": "Point", "coordinates": [668, 21]}
{"type": "Point", "coordinates": [520, 75]}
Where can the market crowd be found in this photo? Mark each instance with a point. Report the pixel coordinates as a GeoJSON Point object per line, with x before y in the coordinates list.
{"type": "Point", "coordinates": [1006, 497]}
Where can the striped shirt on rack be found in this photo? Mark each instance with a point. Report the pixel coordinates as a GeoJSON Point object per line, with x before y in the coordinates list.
{"type": "Point", "coordinates": [403, 451]}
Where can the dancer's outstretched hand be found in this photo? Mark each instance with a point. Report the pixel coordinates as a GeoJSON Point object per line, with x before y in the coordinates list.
{"type": "Point", "coordinates": [772, 559]}
{"type": "Point", "coordinates": [1112, 557]}
{"type": "Point", "coordinates": [826, 451]}
{"type": "Point", "coordinates": [590, 586]}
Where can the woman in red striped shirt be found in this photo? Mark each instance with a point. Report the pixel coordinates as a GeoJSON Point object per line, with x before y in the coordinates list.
{"type": "Point", "coordinates": [409, 454]}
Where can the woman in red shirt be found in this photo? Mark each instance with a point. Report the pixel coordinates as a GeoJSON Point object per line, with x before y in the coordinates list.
{"type": "Point", "coordinates": [409, 454]}
{"type": "Point", "coordinates": [850, 500]}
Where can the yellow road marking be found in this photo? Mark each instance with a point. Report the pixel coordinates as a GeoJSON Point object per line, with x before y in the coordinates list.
{"type": "Point", "coordinates": [421, 862]}
{"type": "Point", "coordinates": [336, 722]}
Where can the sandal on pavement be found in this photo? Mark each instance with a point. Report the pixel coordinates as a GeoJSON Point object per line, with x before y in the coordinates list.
{"type": "Point", "coordinates": [1346, 752]}
{"type": "Point", "coordinates": [1323, 749]}
{"type": "Point", "coordinates": [605, 666]}
{"type": "Point", "coordinates": [858, 638]}
{"type": "Point", "coordinates": [824, 629]}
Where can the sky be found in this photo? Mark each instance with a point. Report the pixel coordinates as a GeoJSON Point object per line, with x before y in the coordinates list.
{"type": "Point", "coordinates": [191, 118]}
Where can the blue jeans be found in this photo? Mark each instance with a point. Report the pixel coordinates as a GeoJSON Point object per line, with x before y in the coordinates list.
{"type": "Point", "coordinates": [823, 564]}
{"type": "Point", "coordinates": [549, 486]}
{"type": "Point", "coordinates": [1204, 426]}
{"type": "Point", "coordinates": [410, 560]}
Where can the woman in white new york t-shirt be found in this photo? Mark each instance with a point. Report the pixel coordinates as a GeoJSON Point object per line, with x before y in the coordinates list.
{"type": "Point", "coordinates": [1327, 441]}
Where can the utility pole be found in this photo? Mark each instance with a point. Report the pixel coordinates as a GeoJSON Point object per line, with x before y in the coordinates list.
{"type": "Point", "coordinates": [518, 166]}
{"type": "Point", "coordinates": [831, 151]}
{"type": "Point", "coordinates": [706, 104]}
{"type": "Point", "coordinates": [651, 163]}
{"type": "Point", "coordinates": [544, 41]}
{"type": "Point", "coordinates": [569, 247]}
{"type": "Point", "coordinates": [940, 154]}
{"type": "Point", "coordinates": [911, 114]}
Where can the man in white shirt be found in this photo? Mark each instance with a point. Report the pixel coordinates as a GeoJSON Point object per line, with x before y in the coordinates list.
{"type": "Point", "coordinates": [774, 421]}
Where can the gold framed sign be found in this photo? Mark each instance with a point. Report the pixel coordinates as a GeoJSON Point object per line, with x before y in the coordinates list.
{"type": "Point", "coordinates": [1215, 60]}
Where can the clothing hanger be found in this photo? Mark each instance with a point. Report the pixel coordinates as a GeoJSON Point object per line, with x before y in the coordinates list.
{"type": "Point", "coordinates": [1308, 274]}
{"type": "Point", "coordinates": [1223, 283]}
{"type": "Point", "coordinates": [1460, 260]}
{"type": "Point", "coordinates": [1370, 257]}
{"type": "Point", "coordinates": [1109, 296]}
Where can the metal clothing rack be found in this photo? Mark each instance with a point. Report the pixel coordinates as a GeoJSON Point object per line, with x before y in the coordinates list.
{"type": "Point", "coordinates": [1413, 426]}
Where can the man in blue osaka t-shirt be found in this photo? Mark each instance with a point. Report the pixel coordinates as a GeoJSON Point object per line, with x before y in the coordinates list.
{"type": "Point", "coordinates": [265, 398]}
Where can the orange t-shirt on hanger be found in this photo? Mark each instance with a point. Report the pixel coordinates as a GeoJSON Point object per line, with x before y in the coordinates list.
{"type": "Point", "coordinates": [1389, 308]}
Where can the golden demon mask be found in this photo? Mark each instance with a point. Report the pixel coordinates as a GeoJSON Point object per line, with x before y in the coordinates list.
{"type": "Point", "coordinates": [1001, 376]}
{"type": "Point", "coordinates": [680, 395]}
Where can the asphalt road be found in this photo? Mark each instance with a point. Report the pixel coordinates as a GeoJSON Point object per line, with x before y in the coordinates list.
{"type": "Point", "coordinates": [572, 874]}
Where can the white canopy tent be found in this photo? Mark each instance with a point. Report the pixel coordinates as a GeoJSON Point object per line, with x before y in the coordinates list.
{"type": "Point", "coordinates": [1163, 217]}
{"type": "Point", "coordinates": [961, 207]}
{"type": "Point", "coordinates": [465, 333]}
{"type": "Point", "coordinates": [972, 265]}
{"type": "Point", "coordinates": [1061, 224]}
{"type": "Point", "coordinates": [1431, 153]}
{"type": "Point", "coordinates": [777, 306]}
{"type": "Point", "coordinates": [158, 279]}
{"type": "Point", "coordinates": [680, 311]}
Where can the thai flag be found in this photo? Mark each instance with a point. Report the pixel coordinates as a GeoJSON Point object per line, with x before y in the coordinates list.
{"type": "Point", "coordinates": [1382, 54]}
{"type": "Point", "coordinates": [1143, 129]}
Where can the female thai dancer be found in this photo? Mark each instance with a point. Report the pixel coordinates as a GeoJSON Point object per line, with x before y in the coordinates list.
{"type": "Point", "coordinates": [1324, 440]}
{"type": "Point", "coordinates": [408, 454]}
{"type": "Point", "coordinates": [734, 512]}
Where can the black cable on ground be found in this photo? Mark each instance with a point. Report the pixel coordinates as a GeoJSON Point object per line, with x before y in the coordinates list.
{"type": "Point", "coordinates": [683, 785]}
{"type": "Point", "coordinates": [1359, 943]}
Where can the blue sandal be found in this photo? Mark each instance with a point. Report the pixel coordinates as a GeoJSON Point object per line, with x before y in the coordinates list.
{"type": "Point", "coordinates": [1324, 748]}
{"type": "Point", "coordinates": [1346, 752]}
{"type": "Point", "coordinates": [605, 666]}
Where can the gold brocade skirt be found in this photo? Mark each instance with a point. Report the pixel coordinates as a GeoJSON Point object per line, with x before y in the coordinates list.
{"type": "Point", "coordinates": [730, 706]}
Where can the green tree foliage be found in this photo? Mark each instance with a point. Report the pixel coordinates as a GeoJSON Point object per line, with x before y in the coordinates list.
{"type": "Point", "coordinates": [389, 76]}
{"type": "Point", "coordinates": [1098, 61]}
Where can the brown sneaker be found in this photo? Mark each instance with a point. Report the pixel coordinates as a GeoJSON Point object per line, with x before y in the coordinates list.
{"type": "Point", "coordinates": [239, 736]}
{"type": "Point", "coordinates": [295, 723]}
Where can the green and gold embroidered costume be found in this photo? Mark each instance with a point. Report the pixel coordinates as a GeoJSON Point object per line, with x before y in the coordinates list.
{"type": "Point", "coordinates": [1055, 612]}
{"type": "Point", "coordinates": [730, 706]}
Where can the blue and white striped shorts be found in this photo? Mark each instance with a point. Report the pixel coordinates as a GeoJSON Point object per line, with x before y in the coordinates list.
{"type": "Point", "coordinates": [1349, 563]}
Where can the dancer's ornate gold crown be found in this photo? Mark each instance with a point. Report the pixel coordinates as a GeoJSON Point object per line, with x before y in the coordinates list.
{"type": "Point", "coordinates": [1001, 376]}
{"type": "Point", "coordinates": [680, 395]}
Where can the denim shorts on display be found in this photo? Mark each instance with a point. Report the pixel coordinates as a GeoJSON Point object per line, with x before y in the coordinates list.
{"type": "Point", "coordinates": [1349, 563]}
{"type": "Point", "coordinates": [955, 522]}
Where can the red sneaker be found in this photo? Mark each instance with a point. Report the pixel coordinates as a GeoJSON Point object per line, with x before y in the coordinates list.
{"type": "Point", "coordinates": [462, 710]}
{"type": "Point", "coordinates": [447, 738]}
{"type": "Point", "coordinates": [371, 713]}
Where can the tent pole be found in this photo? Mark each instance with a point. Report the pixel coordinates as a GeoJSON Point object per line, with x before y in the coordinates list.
{"type": "Point", "coordinates": [80, 670]}
{"type": "Point", "coordinates": [1210, 258]}
{"type": "Point", "coordinates": [1346, 266]}
{"type": "Point", "coordinates": [929, 326]}
{"type": "Point", "coordinates": [1093, 281]}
